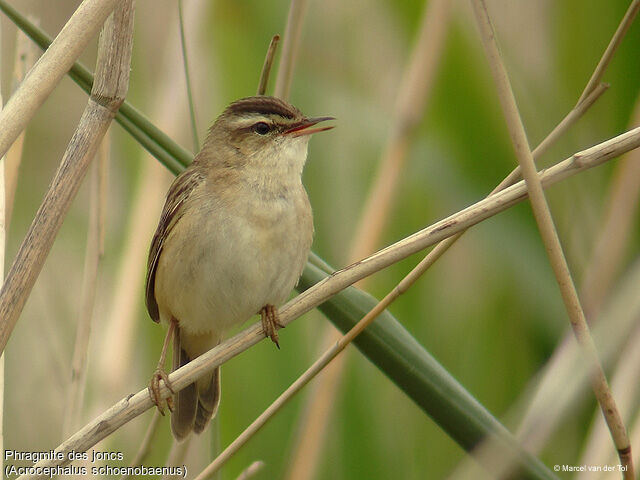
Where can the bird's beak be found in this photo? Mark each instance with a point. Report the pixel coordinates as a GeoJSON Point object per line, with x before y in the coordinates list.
{"type": "Point", "coordinates": [302, 127]}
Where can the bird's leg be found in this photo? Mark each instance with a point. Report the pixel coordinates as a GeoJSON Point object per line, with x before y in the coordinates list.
{"type": "Point", "coordinates": [271, 322]}
{"type": "Point", "coordinates": [160, 374]}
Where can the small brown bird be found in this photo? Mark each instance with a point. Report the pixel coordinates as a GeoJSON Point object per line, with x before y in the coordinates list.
{"type": "Point", "coordinates": [233, 238]}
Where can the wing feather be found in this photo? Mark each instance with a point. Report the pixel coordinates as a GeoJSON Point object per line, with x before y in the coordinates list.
{"type": "Point", "coordinates": [181, 189]}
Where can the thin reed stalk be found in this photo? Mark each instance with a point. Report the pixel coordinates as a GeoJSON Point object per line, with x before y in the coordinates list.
{"type": "Point", "coordinates": [108, 93]}
{"type": "Point", "coordinates": [550, 239]}
{"type": "Point", "coordinates": [52, 66]}
{"type": "Point", "coordinates": [411, 102]}
{"type": "Point", "coordinates": [134, 405]}
{"type": "Point", "coordinates": [93, 254]}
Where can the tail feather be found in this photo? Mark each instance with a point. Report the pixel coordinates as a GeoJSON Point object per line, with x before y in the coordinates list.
{"type": "Point", "coordinates": [185, 401]}
{"type": "Point", "coordinates": [208, 401]}
{"type": "Point", "coordinates": [195, 405]}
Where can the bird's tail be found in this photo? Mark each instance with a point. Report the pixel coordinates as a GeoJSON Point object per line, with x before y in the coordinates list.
{"type": "Point", "coordinates": [196, 404]}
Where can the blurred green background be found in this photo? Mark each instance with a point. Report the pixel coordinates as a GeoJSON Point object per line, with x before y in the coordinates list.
{"type": "Point", "coordinates": [489, 311]}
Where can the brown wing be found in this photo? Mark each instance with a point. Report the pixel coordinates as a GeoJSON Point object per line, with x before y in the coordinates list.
{"type": "Point", "coordinates": [179, 192]}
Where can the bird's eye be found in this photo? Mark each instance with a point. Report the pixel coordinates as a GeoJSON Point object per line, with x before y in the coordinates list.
{"type": "Point", "coordinates": [261, 128]}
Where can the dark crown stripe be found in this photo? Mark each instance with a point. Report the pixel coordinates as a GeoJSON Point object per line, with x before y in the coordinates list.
{"type": "Point", "coordinates": [265, 106]}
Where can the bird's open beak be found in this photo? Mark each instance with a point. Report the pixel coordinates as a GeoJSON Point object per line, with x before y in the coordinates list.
{"type": "Point", "coordinates": [302, 128]}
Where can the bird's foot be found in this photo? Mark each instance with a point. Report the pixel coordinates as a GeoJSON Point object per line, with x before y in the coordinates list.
{"type": "Point", "coordinates": [154, 390]}
{"type": "Point", "coordinates": [271, 322]}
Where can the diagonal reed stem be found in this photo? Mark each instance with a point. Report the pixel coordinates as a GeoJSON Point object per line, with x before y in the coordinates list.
{"type": "Point", "coordinates": [108, 92]}
{"type": "Point", "coordinates": [412, 100]}
{"type": "Point", "coordinates": [154, 140]}
{"type": "Point", "coordinates": [550, 238]}
{"type": "Point", "coordinates": [614, 43]}
{"type": "Point", "coordinates": [134, 405]}
{"type": "Point", "coordinates": [51, 68]}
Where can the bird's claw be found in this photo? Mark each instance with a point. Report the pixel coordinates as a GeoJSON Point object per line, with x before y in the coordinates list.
{"type": "Point", "coordinates": [270, 323]}
{"type": "Point", "coordinates": [154, 390]}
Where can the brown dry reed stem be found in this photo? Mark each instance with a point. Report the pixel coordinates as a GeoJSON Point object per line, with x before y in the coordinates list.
{"type": "Point", "coordinates": [292, 35]}
{"type": "Point", "coordinates": [9, 165]}
{"type": "Point", "coordinates": [569, 120]}
{"type": "Point", "coordinates": [565, 382]}
{"type": "Point", "coordinates": [76, 388]}
{"type": "Point", "coordinates": [52, 67]}
{"type": "Point", "coordinates": [409, 109]}
{"type": "Point", "coordinates": [316, 368]}
{"type": "Point", "coordinates": [268, 63]}
{"type": "Point", "coordinates": [615, 41]}
{"type": "Point", "coordinates": [118, 343]}
{"type": "Point", "coordinates": [573, 116]}
{"type": "Point", "coordinates": [601, 271]}
{"type": "Point", "coordinates": [123, 321]}
{"type": "Point", "coordinates": [625, 383]}
{"type": "Point", "coordinates": [135, 404]}
{"type": "Point", "coordinates": [550, 238]}
{"type": "Point", "coordinates": [290, 46]}
{"type": "Point", "coordinates": [307, 452]}
{"type": "Point", "coordinates": [108, 92]}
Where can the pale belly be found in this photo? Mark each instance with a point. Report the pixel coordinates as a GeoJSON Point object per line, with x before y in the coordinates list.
{"type": "Point", "coordinates": [231, 266]}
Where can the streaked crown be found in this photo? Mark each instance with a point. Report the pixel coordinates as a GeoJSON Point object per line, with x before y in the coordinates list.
{"type": "Point", "coordinates": [263, 105]}
{"type": "Point", "coordinates": [255, 124]}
